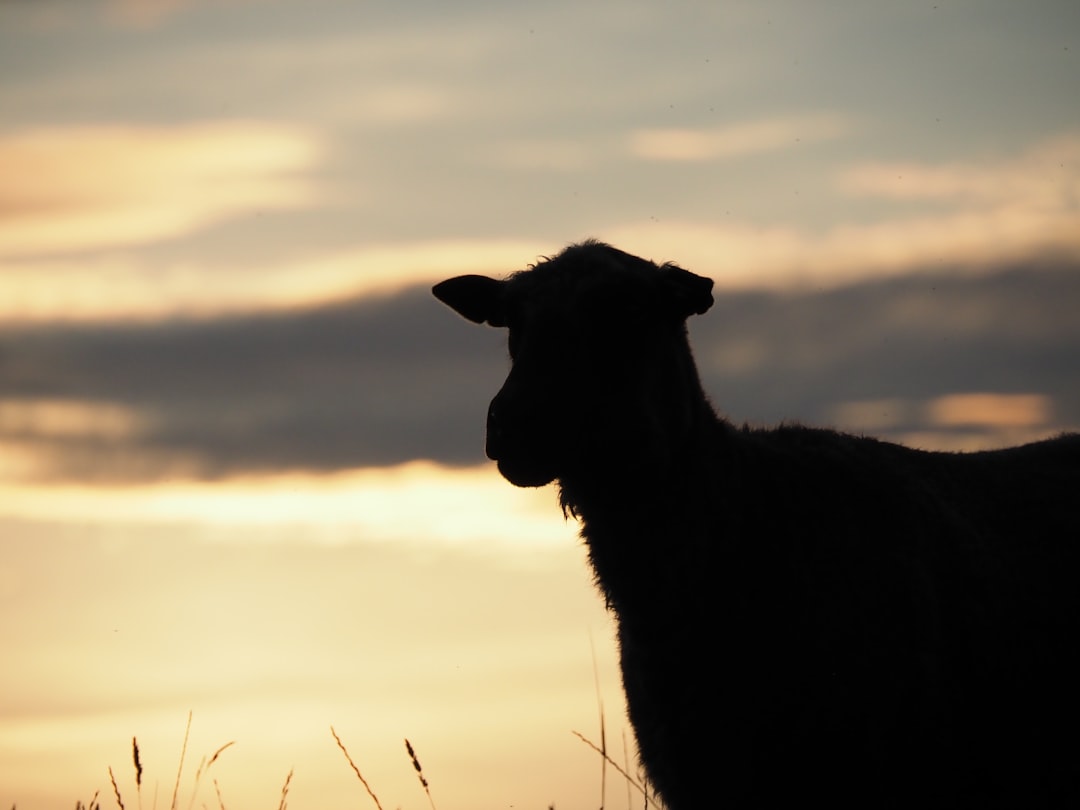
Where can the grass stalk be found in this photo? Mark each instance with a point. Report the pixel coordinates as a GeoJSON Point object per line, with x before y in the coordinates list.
{"type": "Point", "coordinates": [116, 790]}
{"type": "Point", "coordinates": [356, 770]}
{"type": "Point", "coordinates": [285, 792]}
{"type": "Point", "coordinates": [630, 780]}
{"type": "Point", "coordinates": [419, 772]}
{"type": "Point", "coordinates": [180, 767]}
{"type": "Point", "coordinates": [204, 766]}
{"type": "Point", "coordinates": [138, 770]}
{"type": "Point", "coordinates": [603, 726]}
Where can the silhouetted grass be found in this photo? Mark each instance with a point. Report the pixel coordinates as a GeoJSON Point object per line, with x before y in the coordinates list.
{"type": "Point", "coordinates": [205, 764]}
{"type": "Point", "coordinates": [356, 770]}
{"type": "Point", "coordinates": [419, 771]}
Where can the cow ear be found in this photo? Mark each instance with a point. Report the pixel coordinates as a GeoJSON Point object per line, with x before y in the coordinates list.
{"type": "Point", "coordinates": [477, 298]}
{"type": "Point", "coordinates": [688, 293]}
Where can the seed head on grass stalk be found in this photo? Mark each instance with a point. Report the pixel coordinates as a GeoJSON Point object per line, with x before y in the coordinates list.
{"type": "Point", "coordinates": [138, 763]}
{"type": "Point", "coordinates": [419, 772]}
{"type": "Point", "coordinates": [203, 767]}
{"type": "Point", "coordinates": [138, 770]}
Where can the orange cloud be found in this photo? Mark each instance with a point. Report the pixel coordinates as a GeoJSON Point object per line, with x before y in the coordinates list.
{"type": "Point", "coordinates": [1047, 176]}
{"type": "Point", "coordinates": [1010, 211]}
{"type": "Point", "coordinates": [990, 410]}
{"type": "Point", "coordinates": [958, 422]}
{"type": "Point", "coordinates": [111, 287]}
{"type": "Point", "coordinates": [80, 188]}
{"type": "Point", "coordinates": [738, 140]}
{"type": "Point", "coordinates": [57, 418]}
{"type": "Point", "coordinates": [993, 213]}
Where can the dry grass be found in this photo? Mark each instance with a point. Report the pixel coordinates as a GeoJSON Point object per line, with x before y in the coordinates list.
{"type": "Point", "coordinates": [419, 771]}
{"type": "Point", "coordinates": [633, 784]}
{"type": "Point", "coordinates": [356, 770]}
{"type": "Point", "coordinates": [204, 766]}
{"type": "Point", "coordinates": [285, 792]}
{"type": "Point", "coordinates": [641, 786]}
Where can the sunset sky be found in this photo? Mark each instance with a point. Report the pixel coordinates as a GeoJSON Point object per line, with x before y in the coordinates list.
{"type": "Point", "coordinates": [241, 446]}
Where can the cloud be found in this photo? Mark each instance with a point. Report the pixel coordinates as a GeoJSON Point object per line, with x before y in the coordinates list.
{"type": "Point", "coordinates": [988, 215]}
{"type": "Point", "coordinates": [1045, 176]}
{"type": "Point", "coordinates": [667, 145]}
{"type": "Point", "coordinates": [143, 13]}
{"type": "Point", "coordinates": [124, 287]}
{"type": "Point", "coordinates": [133, 14]}
{"type": "Point", "coordinates": [79, 188]}
{"type": "Point", "coordinates": [369, 382]}
{"type": "Point", "coordinates": [64, 418]}
{"type": "Point", "coordinates": [551, 154]}
{"type": "Point", "coordinates": [733, 141]}
{"type": "Point", "coordinates": [968, 421]}
{"type": "Point", "coordinates": [991, 410]}
{"type": "Point", "coordinates": [381, 381]}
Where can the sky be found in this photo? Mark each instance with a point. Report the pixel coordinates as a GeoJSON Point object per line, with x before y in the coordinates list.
{"type": "Point", "coordinates": [241, 445]}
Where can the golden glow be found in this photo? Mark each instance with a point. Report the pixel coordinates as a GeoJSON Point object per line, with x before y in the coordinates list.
{"type": "Point", "coordinates": [722, 143]}
{"type": "Point", "coordinates": [987, 411]}
{"type": "Point", "coordinates": [1005, 211]}
{"type": "Point", "coordinates": [381, 268]}
{"type": "Point", "coordinates": [171, 181]}
{"type": "Point", "coordinates": [1045, 176]}
{"type": "Point", "coordinates": [739, 257]}
{"type": "Point", "coordinates": [111, 288]}
{"type": "Point", "coordinates": [20, 460]}
{"type": "Point", "coordinates": [89, 187]}
{"type": "Point", "coordinates": [58, 418]}
{"type": "Point", "coordinates": [968, 441]}
{"type": "Point", "coordinates": [956, 422]}
{"type": "Point", "coordinates": [990, 410]}
{"type": "Point", "coordinates": [415, 502]}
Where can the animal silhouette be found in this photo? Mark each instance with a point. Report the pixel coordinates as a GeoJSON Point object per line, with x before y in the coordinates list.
{"type": "Point", "coordinates": [803, 615]}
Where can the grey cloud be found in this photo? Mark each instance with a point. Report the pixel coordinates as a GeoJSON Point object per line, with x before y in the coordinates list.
{"type": "Point", "coordinates": [381, 381]}
{"type": "Point", "coordinates": [360, 383]}
{"type": "Point", "coordinates": [916, 337]}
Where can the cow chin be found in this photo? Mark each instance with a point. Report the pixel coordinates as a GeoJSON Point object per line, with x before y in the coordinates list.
{"type": "Point", "coordinates": [525, 475]}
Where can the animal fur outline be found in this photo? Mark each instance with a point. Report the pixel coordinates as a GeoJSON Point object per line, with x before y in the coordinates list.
{"type": "Point", "coordinates": [802, 614]}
